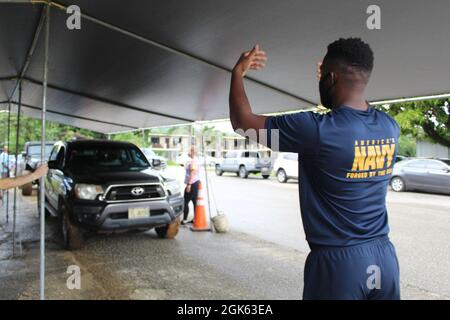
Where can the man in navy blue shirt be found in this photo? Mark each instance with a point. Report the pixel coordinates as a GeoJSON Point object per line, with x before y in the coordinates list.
{"type": "Point", "coordinates": [345, 163]}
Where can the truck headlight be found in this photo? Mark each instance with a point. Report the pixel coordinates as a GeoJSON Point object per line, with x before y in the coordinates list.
{"type": "Point", "coordinates": [87, 191]}
{"type": "Point", "coordinates": [172, 187]}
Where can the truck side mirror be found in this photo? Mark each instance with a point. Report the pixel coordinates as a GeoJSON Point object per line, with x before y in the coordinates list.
{"type": "Point", "coordinates": [52, 164]}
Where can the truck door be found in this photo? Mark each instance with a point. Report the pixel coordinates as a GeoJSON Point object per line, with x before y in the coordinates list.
{"type": "Point", "coordinates": [58, 177]}
{"type": "Point", "coordinates": [49, 188]}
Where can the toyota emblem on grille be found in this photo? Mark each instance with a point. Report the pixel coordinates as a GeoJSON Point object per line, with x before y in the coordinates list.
{"type": "Point", "coordinates": [137, 191]}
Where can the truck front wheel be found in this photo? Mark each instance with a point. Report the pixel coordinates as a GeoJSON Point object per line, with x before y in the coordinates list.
{"type": "Point", "coordinates": [170, 230]}
{"type": "Point", "coordinates": [72, 235]}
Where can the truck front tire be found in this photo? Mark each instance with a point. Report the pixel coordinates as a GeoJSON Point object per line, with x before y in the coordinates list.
{"type": "Point", "coordinates": [72, 235]}
{"type": "Point", "coordinates": [170, 230]}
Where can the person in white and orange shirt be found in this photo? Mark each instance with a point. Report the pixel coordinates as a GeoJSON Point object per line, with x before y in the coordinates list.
{"type": "Point", "coordinates": [192, 181]}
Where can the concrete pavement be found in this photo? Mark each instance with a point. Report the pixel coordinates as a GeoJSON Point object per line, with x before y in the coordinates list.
{"type": "Point", "coordinates": [142, 266]}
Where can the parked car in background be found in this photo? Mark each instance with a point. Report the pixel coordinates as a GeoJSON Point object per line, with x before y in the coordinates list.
{"type": "Point", "coordinates": [157, 162]}
{"type": "Point", "coordinates": [245, 162]}
{"type": "Point", "coordinates": [399, 158]}
{"type": "Point", "coordinates": [429, 175]}
{"type": "Point", "coordinates": [31, 158]}
{"type": "Point", "coordinates": [286, 166]}
{"type": "Point", "coordinates": [106, 186]}
{"type": "Point", "coordinates": [182, 158]}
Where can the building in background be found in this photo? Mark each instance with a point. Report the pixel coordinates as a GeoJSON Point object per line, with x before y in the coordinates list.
{"type": "Point", "coordinates": [426, 149]}
{"type": "Point", "coordinates": [169, 145]}
{"type": "Point", "coordinates": [216, 143]}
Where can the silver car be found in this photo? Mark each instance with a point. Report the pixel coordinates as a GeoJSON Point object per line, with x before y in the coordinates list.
{"type": "Point", "coordinates": [157, 162]}
{"type": "Point", "coordinates": [244, 162]}
{"type": "Point", "coordinates": [430, 175]}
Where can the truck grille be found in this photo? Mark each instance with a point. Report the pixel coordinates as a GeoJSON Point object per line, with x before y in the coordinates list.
{"type": "Point", "coordinates": [141, 192]}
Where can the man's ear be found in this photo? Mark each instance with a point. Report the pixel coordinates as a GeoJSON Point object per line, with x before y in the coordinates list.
{"type": "Point", "coordinates": [333, 78]}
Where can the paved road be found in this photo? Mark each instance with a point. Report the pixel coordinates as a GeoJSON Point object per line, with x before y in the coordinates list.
{"type": "Point", "coordinates": [262, 257]}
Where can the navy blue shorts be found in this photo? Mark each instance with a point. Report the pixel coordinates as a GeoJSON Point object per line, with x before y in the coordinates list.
{"type": "Point", "coordinates": [367, 271]}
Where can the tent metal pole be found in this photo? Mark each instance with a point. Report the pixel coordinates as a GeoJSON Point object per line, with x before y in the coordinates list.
{"type": "Point", "coordinates": [9, 138]}
{"type": "Point", "coordinates": [15, 168]}
{"type": "Point", "coordinates": [42, 180]}
{"type": "Point", "coordinates": [205, 166]}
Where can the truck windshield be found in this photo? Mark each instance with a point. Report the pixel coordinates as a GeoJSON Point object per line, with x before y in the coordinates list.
{"type": "Point", "coordinates": [35, 150]}
{"type": "Point", "coordinates": [149, 153]}
{"type": "Point", "coordinates": [106, 159]}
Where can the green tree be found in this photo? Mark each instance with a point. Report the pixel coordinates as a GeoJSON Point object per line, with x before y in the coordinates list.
{"type": "Point", "coordinates": [134, 137]}
{"type": "Point", "coordinates": [407, 146]}
{"type": "Point", "coordinates": [30, 130]}
{"type": "Point", "coordinates": [428, 119]}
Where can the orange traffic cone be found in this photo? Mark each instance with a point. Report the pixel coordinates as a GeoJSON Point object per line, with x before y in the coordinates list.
{"type": "Point", "coordinates": [200, 223]}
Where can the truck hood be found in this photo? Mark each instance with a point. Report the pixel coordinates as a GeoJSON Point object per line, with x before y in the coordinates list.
{"type": "Point", "coordinates": [120, 177]}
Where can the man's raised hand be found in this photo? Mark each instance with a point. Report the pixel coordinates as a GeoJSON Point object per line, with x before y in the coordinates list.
{"type": "Point", "coordinates": [254, 59]}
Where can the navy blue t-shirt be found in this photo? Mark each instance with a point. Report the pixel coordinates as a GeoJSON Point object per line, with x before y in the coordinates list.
{"type": "Point", "coordinates": [345, 163]}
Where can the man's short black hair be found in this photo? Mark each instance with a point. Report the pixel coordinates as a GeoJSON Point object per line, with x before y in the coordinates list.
{"type": "Point", "coordinates": [352, 52]}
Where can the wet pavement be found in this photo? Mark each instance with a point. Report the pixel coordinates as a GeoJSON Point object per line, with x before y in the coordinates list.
{"type": "Point", "coordinates": [142, 266]}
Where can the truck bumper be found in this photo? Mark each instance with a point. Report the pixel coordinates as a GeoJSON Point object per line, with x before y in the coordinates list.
{"type": "Point", "coordinates": [114, 216]}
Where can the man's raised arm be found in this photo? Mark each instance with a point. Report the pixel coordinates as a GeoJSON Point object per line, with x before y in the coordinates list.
{"type": "Point", "coordinates": [241, 114]}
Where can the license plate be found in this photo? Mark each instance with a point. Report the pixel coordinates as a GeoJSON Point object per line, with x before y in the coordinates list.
{"type": "Point", "coordinates": [138, 213]}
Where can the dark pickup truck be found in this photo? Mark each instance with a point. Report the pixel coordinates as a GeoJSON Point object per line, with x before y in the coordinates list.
{"type": "Point", "coordinates": [105, 186]}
